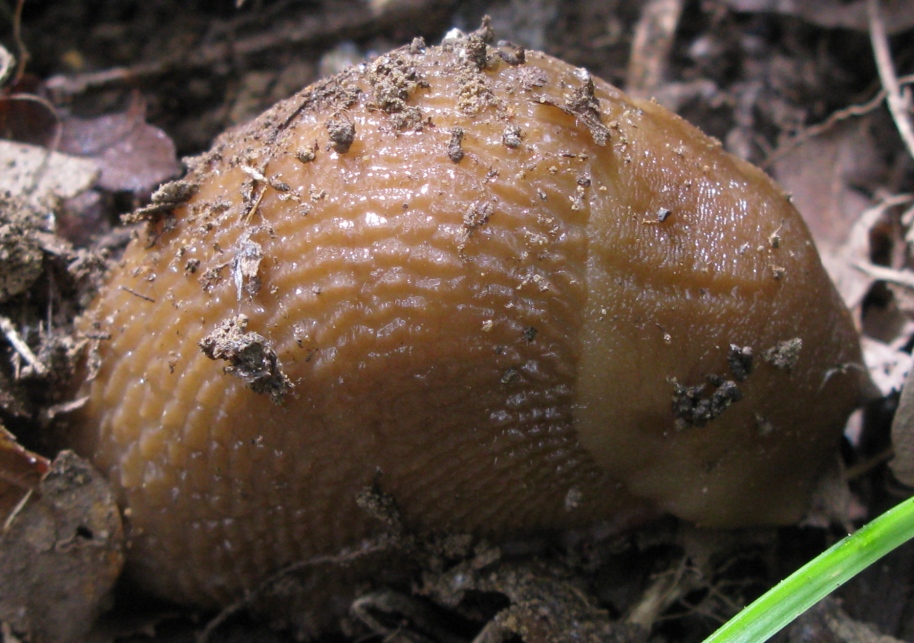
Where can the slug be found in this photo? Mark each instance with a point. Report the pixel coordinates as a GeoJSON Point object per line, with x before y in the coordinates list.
{"type": "Point", "coordinates": [480, 281]}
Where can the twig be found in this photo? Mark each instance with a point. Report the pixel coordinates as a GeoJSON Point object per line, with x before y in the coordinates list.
{"type": "Point", "coordinates": [344, 558]}
{"type": "Point", "coordinates": [16, 510]}
{"type": "Point", "coordinates": [833, 119]}
{"type": "Point", "coordinates": [136, 294]}
{"type": "Point", "coordinates": [666, 589]}
{"type": "Point", "coordinates": [903, 278]}
{"type": "Point", "coordinates": [357, 20]}
{"type": "Point", "coordinates": [651, 46]}
{"type": "Point", "coordinates": [20, 43]}
{"type": "Point", "coordinates": [16, 341]}
{"type": "Point", "coordinates": [47, 415]}
{"type": "Point", "coordinates": [897, 103]}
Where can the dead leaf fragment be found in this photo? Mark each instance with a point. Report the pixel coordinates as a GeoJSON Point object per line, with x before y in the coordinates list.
{"type": "Point", "coordinates": [131, 154]}
{"type": "Point", "coordinates": [20, 473]}
{"type": "Point", "coordinates": [902, 465]}
{"type": "Point", "coordinates": [886, 364]}
{"type": "Point", "coordinates": [827, 176]}
{"type": "Point", "coordinates": [61, 554]}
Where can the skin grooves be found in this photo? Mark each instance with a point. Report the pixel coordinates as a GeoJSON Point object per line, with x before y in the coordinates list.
{"type": "Point", "coordinates": [480, 340]}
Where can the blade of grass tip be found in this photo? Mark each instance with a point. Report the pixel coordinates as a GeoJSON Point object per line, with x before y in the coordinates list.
{"type": "Point", "coordinates": [780, 605]}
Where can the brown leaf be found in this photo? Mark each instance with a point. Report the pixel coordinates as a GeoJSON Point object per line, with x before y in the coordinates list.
{"type": "Point", "coordinates": [20, 472]}
{"type": "Point", "coordinates": [824, 175]}
{"type": "Point", "coordinates": [60, 554]}
{"type": "Point", "coordinates": [25, 116]}
{"type": "Point", "coordinates": [132, 155]}
{"type": "Point", "coordinates": [902, 465]}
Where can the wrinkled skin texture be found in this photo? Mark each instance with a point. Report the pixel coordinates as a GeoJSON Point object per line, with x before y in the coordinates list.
{"type": "Point", "coordinates": [495, 343]}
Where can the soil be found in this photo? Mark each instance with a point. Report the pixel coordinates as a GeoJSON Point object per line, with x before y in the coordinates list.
{"type": "Point", "coordinates": [793, 87]}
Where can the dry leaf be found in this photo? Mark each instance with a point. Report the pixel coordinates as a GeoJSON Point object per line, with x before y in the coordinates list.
{"type": "Point", "coordinates": [887, 364]}
{"type": "Point", "coordinates": [132, 155]}
{"type": "Point", "coordinates": [20, 472]}
{"type": "Point", "coordinates": [60, 554]}
{"type": "Point", "coordinates": [25, 116]}
{"type": "Point", "coordinates": [823, 175]}
{"type": "Point", "coordinates": [902, 464]}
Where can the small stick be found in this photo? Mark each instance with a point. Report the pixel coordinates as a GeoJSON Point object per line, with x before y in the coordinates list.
{"type": "Point", "coordinates": [896, 102]}
{"type": "Point", "coordinates": [833, 119]}
{"type": "Point", "coordinates": [13, 337]}
{"type": "Point", "coordinates": [361, 19]}
{"type": "Point", "coordinates": [136, 294]}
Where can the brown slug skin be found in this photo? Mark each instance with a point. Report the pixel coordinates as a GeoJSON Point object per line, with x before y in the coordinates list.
{"type": "Point", "coordinates": [525, 328]}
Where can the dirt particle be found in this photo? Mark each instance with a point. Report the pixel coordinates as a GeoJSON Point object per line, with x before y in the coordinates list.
{"type": "Point", "coordinates": [250, 197]}
{"type": "Point", "coordinates": [475, 91]}
{"type": "Point", "coordinates": [249, 357]}
{"type": "Point", "coordinates": [212, 277]}
{"type": "Point", "coordinates": [774, 239]}
{"type": "Point", "coordinates": [476, 216]}
{"type": "Point", "coordinates": [573, 499]}
{"type": "Point", "coordinates": [408, 120]}
{"type": "Point", "coordinates": [660, 216]}
{"type": "Point", "coordinates": [454, 146]}
{"type": "Point", "coordinates": [20, 252]}
{"type": "Point", "coordinates": [583, 104]}
{"type": "Point", "coordinates": [476, 51]}
{"type": "Point", "coordinates": [417, 46]}
{"type": "Point", "coordinates": [475, 94]}
{"type": "Point", "coordinates": [532, 78]}
{"type": "Point", "coordinates": [692, 407]}
{"type": "Point", "coordinates": [511, 137]}
{"type": "Point", "coordinates": [165, 199]}
{"type": "Point", "coordinates": [577, 199]}
{"type": "Point", "coordinates": [307, 154]}
{"type": "Point", "coordinates": [245, 267]}
{"type": "Point", "coordinates": [511, 53]}
{"type": "Point", "coordinates": [785, 354]}
{"type": "Point", "coordinates": [381, 506]}
{"type": "Point", "coordinates": [394, 78]}
{"type": "Point", "coordinates": [485, 31]}
{"type": "Point", "coordinates": [336, 93]}
{"type": "Point", "coordinates": [740, 361]}
{"type": "Point", "coordinates": [530, 333]}
{"type": "Point", "coordinates": [510, 376]}
{"type": "Point", "coordinates": [342, 133]}
{"type": "Point", "coordinates": [316, 194]}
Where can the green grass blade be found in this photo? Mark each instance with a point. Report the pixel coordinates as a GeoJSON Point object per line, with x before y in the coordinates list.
{"type": "Point", "coordinates": [816, 579]}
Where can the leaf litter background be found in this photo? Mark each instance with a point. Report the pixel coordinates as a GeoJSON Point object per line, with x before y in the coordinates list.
{"type": "Point", "coordinates": [114, 92]}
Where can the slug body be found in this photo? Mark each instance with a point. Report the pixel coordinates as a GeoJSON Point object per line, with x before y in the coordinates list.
{"type": "Point", "coordinates": [499, 291]}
